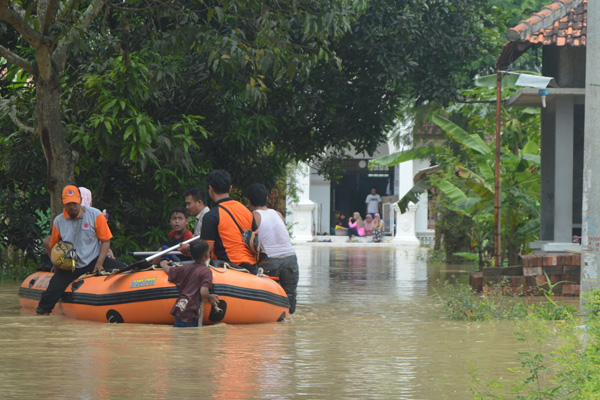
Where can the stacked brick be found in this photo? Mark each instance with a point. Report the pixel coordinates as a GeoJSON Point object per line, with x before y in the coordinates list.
{"type": "Point", "coordinates": [562, 269]}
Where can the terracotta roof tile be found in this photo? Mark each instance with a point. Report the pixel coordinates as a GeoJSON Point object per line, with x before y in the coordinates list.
{"type": "Point", "coordinates": [562, 23]}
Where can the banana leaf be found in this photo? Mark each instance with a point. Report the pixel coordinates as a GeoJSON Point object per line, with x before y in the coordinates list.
{"type": "Point", "coordinates": [416, 153]}
{"type": "Point", "coordinates": [474, 142]}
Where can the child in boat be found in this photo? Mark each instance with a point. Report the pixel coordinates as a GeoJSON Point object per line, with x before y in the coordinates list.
{"type": "Point", "coordinates": [193, 281]}
{"type": "Point", "coordinates": [178, 218]}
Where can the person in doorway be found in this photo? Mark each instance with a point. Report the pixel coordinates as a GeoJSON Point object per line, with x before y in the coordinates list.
{"type": "Point", "coordinates": [196, 205]}
{"type": "Point", "coordinates": [87, 230]}
{"type": "Point", "coordinates": [194, 282]}
{"type": "Point", "coordinates": [373, 202]}
{"type": "Point", "coordinates": [340, 221]}
{"type": "Point", "coordinates": [222, 224]}
{"type": "Point", "coordinates": [272, 232]}
{"type": "Point", "coordinates": [377, 228]}
{"type": "Point", "coordinates": [356, 226]}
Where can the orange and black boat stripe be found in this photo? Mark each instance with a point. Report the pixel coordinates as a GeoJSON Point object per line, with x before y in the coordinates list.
{"type": "Point", "coordinates": [171, 292]}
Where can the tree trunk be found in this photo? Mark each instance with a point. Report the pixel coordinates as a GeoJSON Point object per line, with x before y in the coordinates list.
{"type": "Point", "coordinates": [60, 159]}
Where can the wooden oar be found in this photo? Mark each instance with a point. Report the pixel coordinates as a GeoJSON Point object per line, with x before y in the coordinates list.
{"type": "Point", "coordinates": [146, 261]}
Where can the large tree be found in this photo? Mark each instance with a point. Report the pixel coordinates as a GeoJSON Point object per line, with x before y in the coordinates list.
{"type": "Point", "coordinates": [48, 30]}
{"type": "Point", "coordinates": [157, 93]}
{"type": "Point", "coordinates": [48, 35]}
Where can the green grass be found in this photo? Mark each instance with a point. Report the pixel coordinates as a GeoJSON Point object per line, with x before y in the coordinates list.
{"type": "Point", "coordinates": [15, 268]}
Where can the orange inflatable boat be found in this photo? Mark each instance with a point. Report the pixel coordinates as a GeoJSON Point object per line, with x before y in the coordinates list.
{"type": "Point", "coordinates": [147, 297]}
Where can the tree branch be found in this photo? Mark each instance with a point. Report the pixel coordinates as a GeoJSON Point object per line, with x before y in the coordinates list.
{"type": "Point", "coordinates": [47, 12]}
{"type": "Point", "coordinates": [12, 113]}
{"type": "Point", "coordinates": [18, 61]}
{"type": "Point", "coordinates": [65, 8]}
{"type": "Point", "coordinates": [88, 16]}
{"type": "Point", "coordinates": [17, 20]}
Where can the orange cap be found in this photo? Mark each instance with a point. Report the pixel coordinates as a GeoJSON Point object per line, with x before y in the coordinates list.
{"type": "Point", "coordinates": [70, 194]}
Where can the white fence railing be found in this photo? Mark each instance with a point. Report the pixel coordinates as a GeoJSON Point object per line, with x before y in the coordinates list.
{"type": "Point", "coordinates": [426, 238]}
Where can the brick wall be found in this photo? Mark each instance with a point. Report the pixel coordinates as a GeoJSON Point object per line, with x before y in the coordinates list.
{"type": "Point", "coordinates": [562, 269]}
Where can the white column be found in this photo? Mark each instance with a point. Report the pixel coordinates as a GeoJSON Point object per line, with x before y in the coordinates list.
{"type": "Point", "coordinates": [302, 211]}
{"type": "Point", "coordinates": [405, 226]}
{"type": "Point", "coordinates": [563, 172]}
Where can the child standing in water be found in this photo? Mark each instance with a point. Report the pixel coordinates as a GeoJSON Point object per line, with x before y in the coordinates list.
{"type": "Point", "coordinates": [193, 282]}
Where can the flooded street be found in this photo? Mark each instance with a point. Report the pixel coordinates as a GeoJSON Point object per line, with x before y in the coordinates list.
{"type": "Point", "coordinates": [367, 326]}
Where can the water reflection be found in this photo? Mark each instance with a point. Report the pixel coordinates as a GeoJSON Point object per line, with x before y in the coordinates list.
{"type": "Point", "coordinates": [366, 327]}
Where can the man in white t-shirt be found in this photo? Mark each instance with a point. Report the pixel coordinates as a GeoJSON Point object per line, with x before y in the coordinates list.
{"type": "Point", "coordinates": [373, 202]}
{"type": "Point", "coordinates": [282, 262]}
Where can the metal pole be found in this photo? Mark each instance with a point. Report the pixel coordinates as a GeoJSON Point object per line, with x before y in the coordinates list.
{"type": "Point", "coordinates": [497, 230]}
{"type": "Point", "coordinates": [590, 260]}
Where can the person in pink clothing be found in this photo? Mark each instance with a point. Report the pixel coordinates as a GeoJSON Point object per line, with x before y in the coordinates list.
{"type": "Point", "coordinates": [356, 226]}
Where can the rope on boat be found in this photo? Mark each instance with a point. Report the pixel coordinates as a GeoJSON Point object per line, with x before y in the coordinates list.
{"type": "Point", "coordinates": [261, 273]}
{"type": "Point", "coordinates": [227, 266]}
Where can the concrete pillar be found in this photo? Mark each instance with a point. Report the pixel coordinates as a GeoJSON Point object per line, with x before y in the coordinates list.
{"type": "Point", "coordinates": [590, 260]}
{"type": "Point", "coordinates": [405, 226]}
{"type": "Point", "coordinates": [563, 171]}
{"type": "Point", "coordinates": [548, 156]}
{"type": "Point", "coordinates": [302, 211]}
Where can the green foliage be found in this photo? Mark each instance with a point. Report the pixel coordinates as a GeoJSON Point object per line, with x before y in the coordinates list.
{"type": "Point", "coordinates": [461, 302]}
{"type": "Point", "coordinates": [559, 360]}
{"type": "Point", "coordinates": [591, 303]}
{"type": "Point", "coordinates": [569, 371]}
{"type": "Point", "coordinates": [14, 267]}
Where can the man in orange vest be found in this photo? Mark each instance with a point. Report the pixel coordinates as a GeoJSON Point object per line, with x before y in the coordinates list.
{"type": "Point", "coordinates": [219, 227]}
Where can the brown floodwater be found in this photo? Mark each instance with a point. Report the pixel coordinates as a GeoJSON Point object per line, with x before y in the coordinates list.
{"type": "Point", "coordinates": [367, 326]}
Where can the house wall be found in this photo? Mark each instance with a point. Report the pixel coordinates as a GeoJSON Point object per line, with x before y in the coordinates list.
{"type": "Point", "coordinates": [565, 64]}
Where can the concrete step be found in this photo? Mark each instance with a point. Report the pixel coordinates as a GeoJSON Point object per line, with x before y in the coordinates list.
{"type": "Point", "coordinates": [342, 239]}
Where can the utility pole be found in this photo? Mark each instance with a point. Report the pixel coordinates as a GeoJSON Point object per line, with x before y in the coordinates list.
{"type": "Point", "coordinates": [590, 259]}
{"type": "Point", "coordinates": [498, 186]}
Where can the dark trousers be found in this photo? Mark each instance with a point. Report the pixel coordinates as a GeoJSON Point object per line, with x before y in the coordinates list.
{"type": "Point", "coordinates": [63, 278]}
{"type": "Point", "coordinates": [252, 268]}
{"type": "Point", "coordinates": [286, 269]}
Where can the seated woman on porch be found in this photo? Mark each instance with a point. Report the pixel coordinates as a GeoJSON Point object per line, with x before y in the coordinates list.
{"type": "Point", "coordinates": [377, 228]}
{"type": "Point", "coordinates": [369, 225]}
{"type": "Point", "coordinates": [356, 226]}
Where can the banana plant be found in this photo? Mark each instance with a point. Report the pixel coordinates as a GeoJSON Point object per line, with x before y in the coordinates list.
{"type": "Point", "coordinates": [466, 178]}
